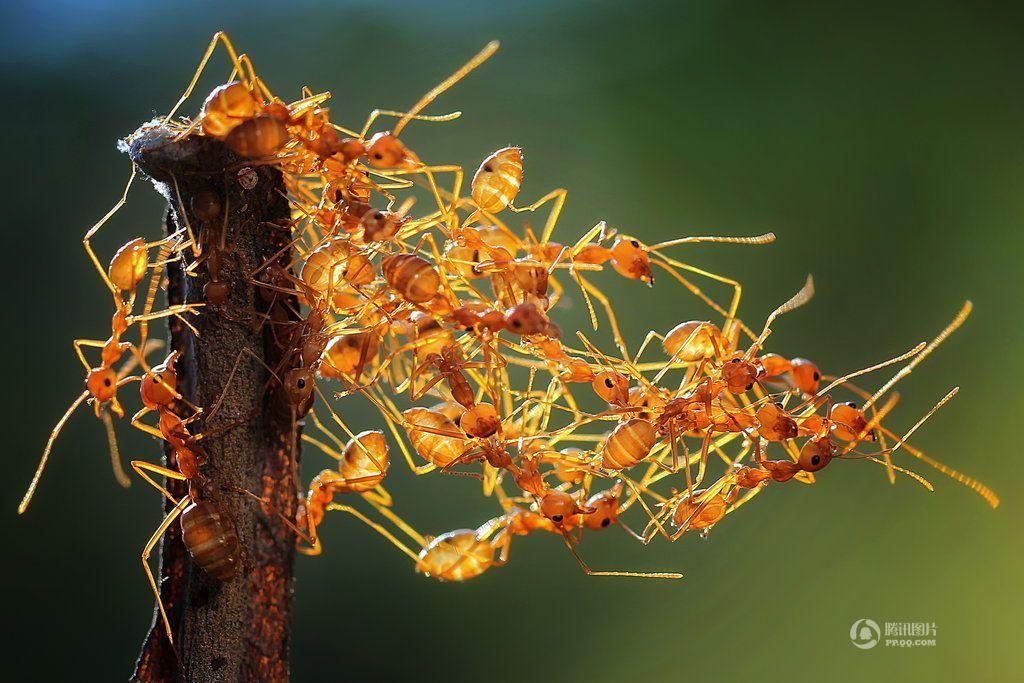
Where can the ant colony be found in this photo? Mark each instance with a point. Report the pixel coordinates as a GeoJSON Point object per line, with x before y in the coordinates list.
{"type": "Point", "coordinates": [433, 304]}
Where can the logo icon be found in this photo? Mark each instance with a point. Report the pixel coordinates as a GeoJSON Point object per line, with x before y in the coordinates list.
{"type": "Point", "coordinates": [864, 634]}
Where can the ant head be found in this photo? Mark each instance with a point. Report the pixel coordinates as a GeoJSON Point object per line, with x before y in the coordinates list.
{"type": "Point", "coordinates": [158, 388]}
{"type": "Point", "coordinates": [206, 205]}
{"type": "Point", "coordinates": [463, 259]}
{"type": "Point", "coordinates": [129, 265]}
{"type": "Point", "coordinates": [630, 259]}
{"type": "Point", "coordinates": [740, 374]}
{"type": "Point", "coordinates": [577, 370]}
{"type": "Point", "coordinates": [605, 508]}
{"type": "Point", "coordinates": [816, 453]}
{"type": "Point", "coordinates": [650, 397]}
{"type": "Point", "coordinates": [612, 386]}
{"type": "Point", "coordinates": [279, 110]}
{"type": "Point", "coordinates": [352, 149]}
{"type": "Point", "coordinates": [750, 477]}
{"type": "Point", "coordinates": [557, 506]}
{"type": "Point", "coordinates": [776, 423]}
{"type": "Point", "coordinates": [775, 365]}
{"type": "Point", "coordinates": [806, 375]}
{"type": "Point", "coordinates": [385, 151]}
{"type": "Point", "coordinates": [526, 319]}
{"type": "Point", "coordinates": [298, 386]}
{"type": "Point", "coordinates": [381, 226]}
{"type": "Point", "coordinates": [217, 292]}
{"type": "Point", "coordinates": [102, 384]}
{"type": "Point", "coordinates": [481, 420]}
{"type": "Point", "coordinates": [849, 421]}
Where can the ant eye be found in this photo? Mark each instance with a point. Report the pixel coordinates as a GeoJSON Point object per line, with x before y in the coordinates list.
{"type": "Point", "coordinates": [608, 382]}
{"type": "Point", "coordinates": [517, 323]}
{"type": "Point", "coordinates": [606, 521]}
{"type": "Point", "coordinates": [817, 376]}
{"type": "Point", "coordinates": [556, 518]}
{"type": "Point", "coordinates": [851, 404]}
{"type": "Point", "coordinates": [778, 405]}
{"type": "Point", "coordinates": [750, 386]}
{"type": "Point", "coordinates": [487, 167]}
{"type": "Point", "coordinates": [635, 243]}
{"type": "Point", "coordinates": [815, 460]}
{"type": "Point", "coordinates": [106, 382]}
{"type": "Point", "coordinates": [301, 384]}
{"type": "Point", "coordinates": [378, 156]}
{"type": "Point", "coordinates": [379, 215]}
{"type": "Point", "coordinates": [735, 360]}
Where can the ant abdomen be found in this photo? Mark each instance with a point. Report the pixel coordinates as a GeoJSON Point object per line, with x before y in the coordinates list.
{"type": "Point", "coordinates": [211, 539]}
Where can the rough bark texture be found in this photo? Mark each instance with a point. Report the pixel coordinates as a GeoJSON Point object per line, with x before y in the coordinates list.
{"type": "Point", "coordinates": [238, 630]}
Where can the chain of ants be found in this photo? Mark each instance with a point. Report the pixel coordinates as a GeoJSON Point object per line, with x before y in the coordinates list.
{"type": "Point", "coordinates": [451, 309]}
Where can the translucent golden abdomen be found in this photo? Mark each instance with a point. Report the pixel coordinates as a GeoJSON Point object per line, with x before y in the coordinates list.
{"type": "Point", "coordinates": [456, 556]}
{"type": "Point", "coordinates": [497, 181]}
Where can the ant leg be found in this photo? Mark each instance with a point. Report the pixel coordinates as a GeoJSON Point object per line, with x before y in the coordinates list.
{"type": "Point", "coordinates": [174, 310]}
{"type": "Point", "coordinates": [654, 521]}
{"type": "Point", "coordinates": [219, 36]}
{"type": "Point", "coordinates": [238, 359]}
{"type": "Point", "coordinates": [590, 572]}
{"type": "Point", "coordinates": [153, 540]}
{"type": "Point", "coordinates": [351, 435]}
{"type": "Point", "coordinates": [398, 522]}
{"type": "Point", "coordinates": [558, 195]}
{"type": "Point", "coordinates": [137, 422]}
{"type": "Point", "coordinates": [417, 394]}
{"type": "Point", "coordinates": [142, 468]}
{"type": "Point", "coordinates": [447, 83]}
{"type": "Point", "coordinates": [133, 361]}
{"type": "Point", "coordinates": [704, 447]}
{"type": "Point", "coordinates": [23, 505]}
{"type": "Point", "coordinates": [606, 304]}
{"type": "Point", "coordinates": [379, 496]}
{"type": "Point", "coordinates": [376, 527]}
{"type": "Point", "coordinates": [99, 224]}
{"type": "Point", "coordinates": [90, 343]}
{"type": "Point", "coordinates": [667, 264]}
{"type": "Point", "coordinates": [322, 446]}
{"type": "Point", "coordinates": [418, 470]}
{"type": "Point", "coordinates": [151, 290]}
{"type": "Point", "coordinates": [643, 345]}
{"type": "Point", "coordinates": [266, 503]}
{"type": "Point", "coordinates": [115, 453]}
{"type": "Point", "coordinates": [737, 294]}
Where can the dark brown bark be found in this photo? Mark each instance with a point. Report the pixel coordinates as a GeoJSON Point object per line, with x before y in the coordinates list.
{"type": "Point", "coordinates": [236, 630]}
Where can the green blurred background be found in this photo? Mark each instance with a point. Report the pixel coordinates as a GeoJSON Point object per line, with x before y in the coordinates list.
{"type": "Point", "coordinates": [881, 142]}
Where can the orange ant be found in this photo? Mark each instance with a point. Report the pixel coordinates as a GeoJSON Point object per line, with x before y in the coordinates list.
{"type": "Point", "coordinates": [127, 269]}
{"type": "Point", "coordinates": [449, 365]}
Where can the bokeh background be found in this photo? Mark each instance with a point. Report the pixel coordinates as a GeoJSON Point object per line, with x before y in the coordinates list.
{"type": "Point", "coordinates": [881, 141]}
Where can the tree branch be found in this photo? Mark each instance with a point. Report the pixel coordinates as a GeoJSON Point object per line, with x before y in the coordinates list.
{"type": "Point", "coordinates": [238, 630]}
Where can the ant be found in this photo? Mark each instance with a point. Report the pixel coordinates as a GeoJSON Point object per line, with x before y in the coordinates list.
{"type": "Point", "coordinates": [128, 268]}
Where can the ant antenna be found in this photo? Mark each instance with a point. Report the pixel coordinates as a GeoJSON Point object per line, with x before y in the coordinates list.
{"type": "Point", "coordinates": [805, 294]}
{"type": "Point", "coordinates": [447, 83]}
